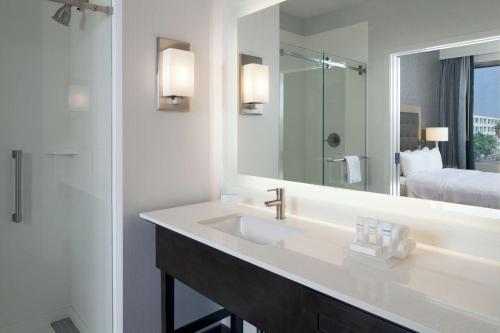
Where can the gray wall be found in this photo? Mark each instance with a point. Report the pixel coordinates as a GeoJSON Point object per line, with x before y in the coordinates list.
{"type": "Point", "coordinates": [420, 75]}
{"type": "Point", "coordinates": [166, 154]}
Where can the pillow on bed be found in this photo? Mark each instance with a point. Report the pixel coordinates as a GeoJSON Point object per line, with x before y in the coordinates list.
{"type": "Point", "coordinates": [413, 162]}
{"type": "Point", "coordinates": [418, 161]}
{"type": "Point", "coordinates": [434, 160]}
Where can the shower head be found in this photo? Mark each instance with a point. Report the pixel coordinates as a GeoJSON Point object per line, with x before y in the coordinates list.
{"type": "Point", "coordinates": [63, 15]}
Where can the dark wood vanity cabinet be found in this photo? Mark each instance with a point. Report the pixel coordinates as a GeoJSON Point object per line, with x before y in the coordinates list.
{"type": "Point", "coordinates": [268, 301]}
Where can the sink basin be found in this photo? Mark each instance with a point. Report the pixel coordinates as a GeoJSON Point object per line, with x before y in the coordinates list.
{"type": "Point", "coordinates": [253, 229]}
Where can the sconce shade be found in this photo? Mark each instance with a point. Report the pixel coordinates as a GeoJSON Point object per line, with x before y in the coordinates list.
{"type": "Point", "coordinates": [178, 73]}
{"type": "Point", "coordinates": [255, 88]}
{"type": "Point", "coordinates": [436, 134]}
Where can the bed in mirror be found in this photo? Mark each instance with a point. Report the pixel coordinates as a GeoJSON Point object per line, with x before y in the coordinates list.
{"type": "Point", "coordinates": [374, 96]}
{"type": "Point", "coordinates": [450, 136]}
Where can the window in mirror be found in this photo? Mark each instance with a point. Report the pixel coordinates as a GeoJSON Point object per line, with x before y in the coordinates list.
{"type": "Point", "coordinates": [486, 120]}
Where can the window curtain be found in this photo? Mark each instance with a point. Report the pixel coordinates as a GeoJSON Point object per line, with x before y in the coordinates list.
{"type": "Point", "coordinates": [455, 111]}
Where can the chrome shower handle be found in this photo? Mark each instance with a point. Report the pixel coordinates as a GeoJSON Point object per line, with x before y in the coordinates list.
{"type": "Point", "coordinates": [17, 155]}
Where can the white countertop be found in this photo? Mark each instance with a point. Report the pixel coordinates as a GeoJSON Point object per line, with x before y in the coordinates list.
{"type": "Point", "coordinates": [428, 292]}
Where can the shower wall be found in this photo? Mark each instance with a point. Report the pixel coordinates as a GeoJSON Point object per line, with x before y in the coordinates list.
{"type": "Point", "coordinates": [55, 105]}
{"type": "Point", "coordinates": [345, 115]}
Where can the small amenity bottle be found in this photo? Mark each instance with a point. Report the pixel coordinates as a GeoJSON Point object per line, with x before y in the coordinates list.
{"type": "Point", "coordinates": [387, 236]}
{"type": "Point", "coordinates": [372, 232]}
{"type": "Point", "coordinates": [360, 230]}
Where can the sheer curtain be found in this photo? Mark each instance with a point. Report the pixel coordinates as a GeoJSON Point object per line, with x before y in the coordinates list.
{"type": "Point", "coordinates": [455, 111]}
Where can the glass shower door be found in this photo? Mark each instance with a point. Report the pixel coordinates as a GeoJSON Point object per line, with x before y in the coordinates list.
{"type": "Point", "coordinates": [344, 124]}
{"type": "Point", "coordinates": [301, 114]}
{"type": "Point", "coordinates": [55, 112]}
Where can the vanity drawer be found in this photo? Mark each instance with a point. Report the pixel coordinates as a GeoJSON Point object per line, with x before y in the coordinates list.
{"type": "Point", "coordinates": [333, 316]}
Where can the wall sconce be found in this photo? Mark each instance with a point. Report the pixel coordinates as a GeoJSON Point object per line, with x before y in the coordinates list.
{"type": "Point", "coordinates": [254, 83]}
{"type": "Point", "coordinates": [175, 75]}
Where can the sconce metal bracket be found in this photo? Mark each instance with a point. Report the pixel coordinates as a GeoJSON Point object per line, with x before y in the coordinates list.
{"type": "Point", "coordinates": [165, 103]}
{"type": "Point", "coordinates": [247, 109]}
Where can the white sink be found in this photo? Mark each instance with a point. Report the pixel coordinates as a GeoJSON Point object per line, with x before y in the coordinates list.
{"type": "Point", "coordinates": [253, 229]}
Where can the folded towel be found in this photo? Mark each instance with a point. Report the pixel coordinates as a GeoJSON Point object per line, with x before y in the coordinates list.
{"type": "Point", "coordinates": [399, 233]}
{"type": "Point", "coordinates": [405, 248]}
{"type": "Point", "coordinates": [352, 169]}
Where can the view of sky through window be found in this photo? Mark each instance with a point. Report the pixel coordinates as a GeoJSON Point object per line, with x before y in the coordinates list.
{"type": "Point", "coordinates": [487, 117]}
{"type": "Point", "coordinates": [487, 91]}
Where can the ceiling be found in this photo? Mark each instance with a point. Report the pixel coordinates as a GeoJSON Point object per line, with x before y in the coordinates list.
{"type": "Point", "coordinates": [306, 9]}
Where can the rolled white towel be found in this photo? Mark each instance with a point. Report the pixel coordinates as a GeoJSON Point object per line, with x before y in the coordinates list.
{"type": "Point", "coordinates": [399, 233]}
{"type": "Point", "coordinates": [352, 169]}
{"type": "Point", "coordinates": [404, 248]}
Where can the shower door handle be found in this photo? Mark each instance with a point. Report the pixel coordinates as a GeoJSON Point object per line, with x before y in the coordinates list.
{"type": "Point", "coordinates": [17, 155]}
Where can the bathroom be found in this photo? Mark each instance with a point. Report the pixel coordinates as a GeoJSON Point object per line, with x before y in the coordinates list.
{"type": "Point", "coordinates": [123, 204]}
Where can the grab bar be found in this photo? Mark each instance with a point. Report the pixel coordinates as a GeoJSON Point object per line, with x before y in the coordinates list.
{"type": "Point", "coordinates": [17, 155]}
{"type": "Point", "coordinates": [343, 159]}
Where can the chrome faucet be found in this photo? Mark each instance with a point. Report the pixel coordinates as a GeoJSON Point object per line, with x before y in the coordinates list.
{"type": "Point", "coordinates": [279, 203]}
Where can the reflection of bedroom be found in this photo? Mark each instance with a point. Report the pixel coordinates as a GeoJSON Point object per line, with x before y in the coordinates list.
{"type": "Point", "coordinates": [450, 125]}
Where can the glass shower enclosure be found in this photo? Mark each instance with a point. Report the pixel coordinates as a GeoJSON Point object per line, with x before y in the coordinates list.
{"type": "Point", "coordinates": [322, 116]}
{"type": "Point", "coordinates": [55, 168]}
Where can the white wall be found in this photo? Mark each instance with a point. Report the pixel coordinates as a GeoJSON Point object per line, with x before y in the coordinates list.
{"type": "Point", "coordinates": [394, 26]}
{"type": "Point", "coordinates": [167, 155]}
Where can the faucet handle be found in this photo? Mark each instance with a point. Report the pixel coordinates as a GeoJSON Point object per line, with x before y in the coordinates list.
{"type": "Point", "coordinates": [273, 190]}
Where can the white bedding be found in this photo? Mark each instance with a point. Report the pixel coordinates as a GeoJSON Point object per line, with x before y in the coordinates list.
{"type": "Point", "coordinates": [466, 187]}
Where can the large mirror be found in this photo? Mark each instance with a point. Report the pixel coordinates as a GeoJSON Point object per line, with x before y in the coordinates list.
{"type": "Point", "coordinates": [387, 96]}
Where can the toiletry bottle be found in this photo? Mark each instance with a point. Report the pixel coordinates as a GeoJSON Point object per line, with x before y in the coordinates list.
{"type": "Point", "coordinates": [387, 236]}
{"type": "Point", "coordinates": [372, 232]}
{"type": "Point", "coordinates": [360, 230]}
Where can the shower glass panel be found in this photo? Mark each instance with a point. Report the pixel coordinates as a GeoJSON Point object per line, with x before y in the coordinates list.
{"type": "Point", "coordinates": [323, 116]}
{"type": "Point", "coordinates": [55, 108]}
{"type": "Point", "coordinates": [301, 115]}
{"type": "Point", "coordinates": [344, 120]}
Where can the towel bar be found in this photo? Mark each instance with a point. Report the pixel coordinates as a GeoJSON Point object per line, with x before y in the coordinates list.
{"type": "Point", "coordinates": [343, 159]}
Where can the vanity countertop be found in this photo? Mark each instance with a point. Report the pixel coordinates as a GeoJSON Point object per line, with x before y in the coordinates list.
{"type": "Point", "coordinates": [430, 291]}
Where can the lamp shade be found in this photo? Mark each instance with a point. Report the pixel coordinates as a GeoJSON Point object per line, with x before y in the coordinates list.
{"type": "Point", "coordinates": [436, 134]}
{"type": "Point", "coordinates": [255, 85]}
{"type": "Point", "coordinates": [178, 73]}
